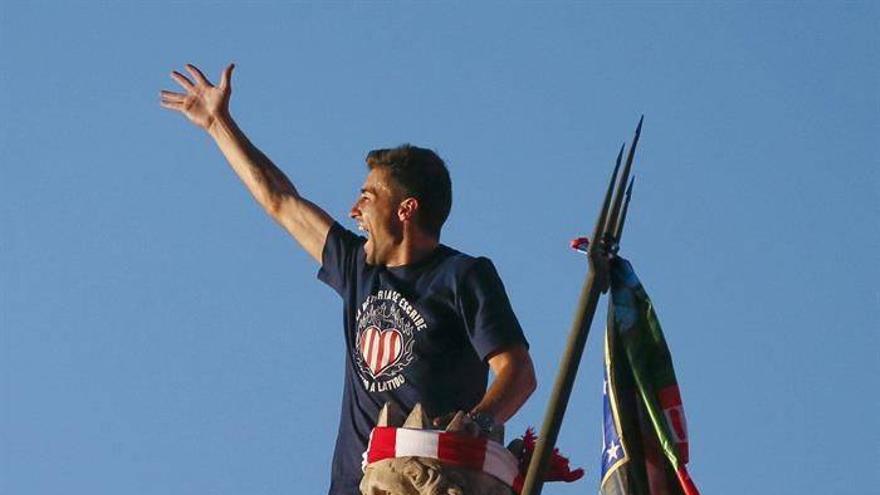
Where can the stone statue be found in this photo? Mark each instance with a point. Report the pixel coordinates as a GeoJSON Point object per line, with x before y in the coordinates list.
{"type": "Point", "coordinates": [459, 467]}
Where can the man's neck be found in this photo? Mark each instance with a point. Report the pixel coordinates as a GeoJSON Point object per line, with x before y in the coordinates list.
{"type": "Point", "coordinates": [411, 250]}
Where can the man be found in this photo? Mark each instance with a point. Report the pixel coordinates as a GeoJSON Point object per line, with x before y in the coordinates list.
{"type": "Point", "coordinates": [423, 322]}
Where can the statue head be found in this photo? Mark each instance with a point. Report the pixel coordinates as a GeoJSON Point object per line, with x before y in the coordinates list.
{"type": "Point", "coordinates": [405, 457]}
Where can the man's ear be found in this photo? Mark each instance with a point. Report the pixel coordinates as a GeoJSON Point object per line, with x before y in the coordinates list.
{"type": "Point", "coordinates": [407, 209]}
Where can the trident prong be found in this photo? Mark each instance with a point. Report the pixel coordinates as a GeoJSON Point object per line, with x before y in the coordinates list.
{"type": "Point", "coordinates": [611, 229]}
{"type": "Point", "coordinates": [599, 229]}
{"type": "Point", "coordinates": [619, 232]}
{"type": "Point", "coordinates": [603, 246]}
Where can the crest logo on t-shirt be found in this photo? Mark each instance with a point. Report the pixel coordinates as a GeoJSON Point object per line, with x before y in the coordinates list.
{"type": "Point", "coordinates": [386, 328]}
{"type": "Point", "coordinates": [380, 348]}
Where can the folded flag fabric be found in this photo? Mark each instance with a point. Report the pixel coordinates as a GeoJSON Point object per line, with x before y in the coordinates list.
{"type": "Point", "coordinates": [645, 443]}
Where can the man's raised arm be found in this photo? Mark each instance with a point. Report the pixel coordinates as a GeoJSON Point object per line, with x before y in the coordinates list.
{"type": "Point", "coordinates": [207, 106]}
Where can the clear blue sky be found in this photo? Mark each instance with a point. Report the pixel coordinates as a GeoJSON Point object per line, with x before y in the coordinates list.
{"type": "Point", "coordinates": [160, 335]}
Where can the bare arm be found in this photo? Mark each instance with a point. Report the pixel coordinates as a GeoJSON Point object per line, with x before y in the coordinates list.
{"type": "Point", "coordinates": [207, 106]}
{"type": "Point", "coordinates": [514, 382]}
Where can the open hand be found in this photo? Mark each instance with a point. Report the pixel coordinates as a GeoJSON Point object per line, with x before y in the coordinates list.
{"type": "Point", "coordinates": [203, 103]}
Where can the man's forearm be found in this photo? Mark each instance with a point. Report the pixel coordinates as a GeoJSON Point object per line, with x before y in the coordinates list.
{"type": "Point", "coordinates": [266, 182]}
{"type": "Point", "coordinates": [272, 189]}
{"type": "Point", "coordinates": [513, 384]}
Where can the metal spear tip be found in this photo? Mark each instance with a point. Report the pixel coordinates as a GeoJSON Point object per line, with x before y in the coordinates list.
{"type": "Point", "coordinates": [614, 229]}
{"type": "Point", "coordinates": [597, 251]}
{"type": "Point", "coordinates": [599, 228]}
{"type": "Point", "coordinates": [620, 223]}
{"type": "Point", "coordinates": [611, 226]}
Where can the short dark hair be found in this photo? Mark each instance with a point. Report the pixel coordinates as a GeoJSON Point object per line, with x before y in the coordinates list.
{"type": "Point", "coordinates": [421, 174]}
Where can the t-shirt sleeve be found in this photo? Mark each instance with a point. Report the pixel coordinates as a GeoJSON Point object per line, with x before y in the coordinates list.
{"type": "Point", "coordinates": [339, 257]}
{"type": "Point", "coordinates": [489, 320]}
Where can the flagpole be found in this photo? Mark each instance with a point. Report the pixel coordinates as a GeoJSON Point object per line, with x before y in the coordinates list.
{"type": "Point", "coordinates": [605, 239]}
{"type": "Point", "coordinates": [574, 349]}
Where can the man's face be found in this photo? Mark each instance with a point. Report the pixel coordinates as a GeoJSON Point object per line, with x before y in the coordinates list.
{"type": "Point", "coordinates": [375, 212]}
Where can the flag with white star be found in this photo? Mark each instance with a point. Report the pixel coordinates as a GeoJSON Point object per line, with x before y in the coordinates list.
{"type": "Point", "coordinates": [644, 436]}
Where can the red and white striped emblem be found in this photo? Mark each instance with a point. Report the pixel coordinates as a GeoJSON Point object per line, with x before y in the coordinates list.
{"type": "Point", "coordinates": [380, 349]}
{"type": "Point", "coordinates": [456, 449]}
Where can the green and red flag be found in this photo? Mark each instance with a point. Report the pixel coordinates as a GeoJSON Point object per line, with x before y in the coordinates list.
{"type": "Point", "coordinates": [645, 443]}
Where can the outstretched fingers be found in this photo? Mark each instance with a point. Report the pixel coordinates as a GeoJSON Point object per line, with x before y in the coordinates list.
{"type": "Point", "coordinates": [226, 76]}
{"type": "Point", "coordinates": [172, 105]}
{"type": "Point", "coordinates": [182, 80]}
{"type": "Point", "coordinates": [173, 101]}
{"type": "Point", "coordinates": [197, 75]}
{"type": "Point", "coordinates": [172, 96]}
{"type": "Point", "coordinates": [200, 100]}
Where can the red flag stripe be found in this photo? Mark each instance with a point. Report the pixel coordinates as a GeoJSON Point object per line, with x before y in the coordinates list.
{"type": "Point", "coordinates": [670, 401]}
{"type": "Point", "coordinates": [382, 442]}
{"type": "Point", "coordinates": [687, 484]}
{"type": "Point", "coordinates": [462, 451]}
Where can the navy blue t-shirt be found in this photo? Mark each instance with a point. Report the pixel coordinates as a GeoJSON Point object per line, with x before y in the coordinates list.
{"type": "Point", "coordinates": [415, 333]}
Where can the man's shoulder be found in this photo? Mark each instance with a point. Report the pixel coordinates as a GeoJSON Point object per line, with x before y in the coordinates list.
{"type": "Point", "coordinates": [462, 263]}
{"type": "Point", "coordinates": [337, 231]}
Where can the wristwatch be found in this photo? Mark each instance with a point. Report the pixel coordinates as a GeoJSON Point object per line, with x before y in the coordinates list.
{"type": "Point", "coordinates": [485, 421]}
